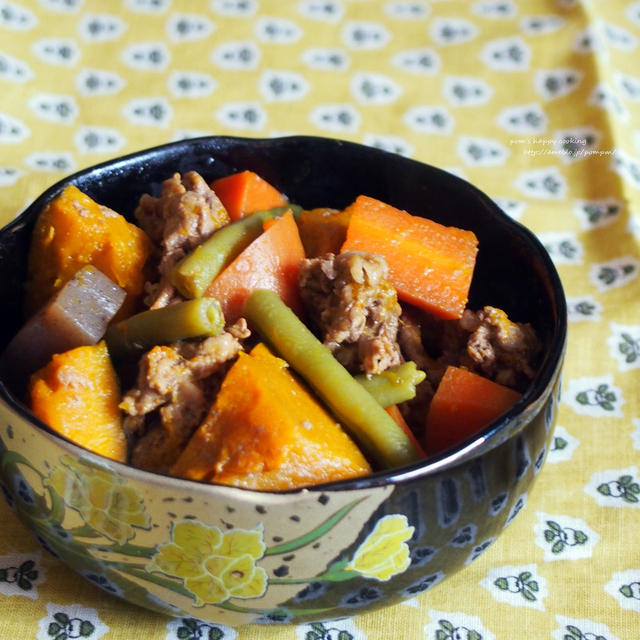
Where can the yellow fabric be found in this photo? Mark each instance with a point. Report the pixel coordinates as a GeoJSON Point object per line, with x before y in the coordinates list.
{"type": "Point", "coordinates": [485, 88]}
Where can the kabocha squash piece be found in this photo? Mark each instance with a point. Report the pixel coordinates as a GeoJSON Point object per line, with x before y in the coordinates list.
{"type": "Point", "coordinates": [73, 231]}
{"type": "Point", "coordinates": [266, 431]}
{"type": "Point", "coordinates": [246, 192]}
{"type": "Point", "coordinates": [77, 394]}
{"type": "Point", "coordinates": [78, 314]}
{"type": "Point", "coordinates": [323, 230]}
{"type": "Point", "coordinates": [464, 403]}
{"type": "Point", "coordinates": [430, 265]}
{"type": "Point", "coordinates": [271, 261]}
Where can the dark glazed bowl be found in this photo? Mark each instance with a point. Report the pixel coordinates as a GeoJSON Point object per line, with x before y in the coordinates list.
{"type": "Point", "coordinates": [330, 551]}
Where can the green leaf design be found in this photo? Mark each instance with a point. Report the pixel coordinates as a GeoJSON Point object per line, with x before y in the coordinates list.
{"type": "Point", "coordinates": [190, 623]}
{"type": "Point", "coordinates": [474, 635]}
{"type": "Point", "coordinates": [549, 535]}
{"type": "Point", "coordinates": [558, 547]}
{"type": "Point", "coordinates": [27, 565]}
{"type": "Point", "coordinates": [24, 584]}
{"type": "Point", "coordinates": [625, 590]}
{"type": "Point", "coordinates": [533, 585]}
{"type": "Point", "coordinates": [582, 398]}
{"type": "Point", "coordinates": [215, 633]}
{"type": "Point", "coordinates": [581, 537]}
{"type": "Point", "coordinates": [447, 626]}
{"type": "Point", "coordinates": [314, 534]}
{"type": "Point", "coordinates": [629, 497]}
{"type": "Point", "coordinates": [312, 635]}
{"type": "Point", "coordinates": [559, 443]}
{"type": "Point", "coordinates": [344, 635]}
{"type": "Point", "coordinates": [183, 633]}
{"type": "Point", "coordinates": [524, 576]}
{"type": "Point", "coordinates": [554, 526]}
{"type": "Point", "coordinates": [576, 634]}
{"type": "Point", "coordinates": [502, 583]}
{"type": "Point", "coordinates": [604, 489]}
{"type": "Point", "coordinates": [607, 406]}
{"type": "Point", "coordinates": [62, 618]}
{"type": "Point", "coordinates": [86, 629]}
{"type": "Point", "coordinates": [53, 629]}
{"type": "Point", "coordinates": [528, 595]}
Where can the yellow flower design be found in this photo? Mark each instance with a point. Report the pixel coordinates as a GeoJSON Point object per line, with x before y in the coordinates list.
{"type": "Point", "coordinates": [214, 565]}
{"type": "Point", "coordinates": [385, 552]}
{"type": "Point", "coordinates": [103, 500]}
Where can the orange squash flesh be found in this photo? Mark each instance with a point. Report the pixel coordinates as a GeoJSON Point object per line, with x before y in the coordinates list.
{"type": "Point", "coordinates": [430, 265]}
{"type": "Point", "coordinates": [73, 231]}
{"type": "Point", "coordinates": [246, 192]}
{"type": "Point", "coordinates": [464, 403]}
{"type": "Point", "coordinates": [266, 431]}
{"type": "Point", "coordinates": [323, 230]}
{"type": "Point", "coordinates": [77, 394]}
{"type": "Point", "coordinates": [271, 261]}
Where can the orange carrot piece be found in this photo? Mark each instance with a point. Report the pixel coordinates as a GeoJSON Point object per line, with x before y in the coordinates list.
{"type": "Point", "coordinates": [430, 265]}
{"type": "Point", "coordinates": [464, 403]}
{"type": "Point", "coordinates": [271, 261]}
{"type": "Point", "coordinates": [246, 192]}
{"type": "Point", "coordinates": [398, 418]}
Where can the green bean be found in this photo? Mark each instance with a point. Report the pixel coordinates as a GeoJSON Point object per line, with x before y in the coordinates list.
{"type": "Point", "coordinates": [189, 319]}
{"type": "Point", "coordinates": [196, 271]}
{"type": "Point", "coordinates": [370, 425]}
{"type": "Point", "coordinates": [394, 385]}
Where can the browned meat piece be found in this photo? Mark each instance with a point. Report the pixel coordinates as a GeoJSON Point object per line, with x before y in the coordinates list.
{"type": "Point", "coordinates": [355, 307]}
{"type": "Point", "coordinates": [412, 348]}
{"type": "Point", "coordinates": [483, 341]}
{"type": "Point", "coordinates": [174, 391]}
{"type": "Point", "coordinates": [498, 348]}
{"type": "Point", "coordinates": [410, 339]}
{"type": "Point", "coordinates": [186, 213]}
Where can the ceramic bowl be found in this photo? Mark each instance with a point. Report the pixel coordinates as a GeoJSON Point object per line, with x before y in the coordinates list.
{"type": "Point", "coordinates": [233, 556]}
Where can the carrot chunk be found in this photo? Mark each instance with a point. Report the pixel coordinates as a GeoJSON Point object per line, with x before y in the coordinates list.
{"type": "Point", "coordinates": [398, 418]}
{"type": "Point", "coordinates": [464, 403]}
{"type": "Point", "coordinates": [246, 192]}
{"type": "Point", "coordinates": [271, 261]}
{"type": "Point", "coordinates": [430, 265]}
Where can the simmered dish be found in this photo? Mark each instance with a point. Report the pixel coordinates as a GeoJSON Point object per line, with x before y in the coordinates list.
{"type": "Point", "coordinates": [230, 336]}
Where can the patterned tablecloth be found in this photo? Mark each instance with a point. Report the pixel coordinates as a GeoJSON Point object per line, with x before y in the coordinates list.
{"type": "Point", "coordinates": [535, 101]}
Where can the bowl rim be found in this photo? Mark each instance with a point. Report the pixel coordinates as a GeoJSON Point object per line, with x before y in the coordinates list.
{"type": "Point", "coordinates": [467, 450]}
